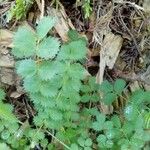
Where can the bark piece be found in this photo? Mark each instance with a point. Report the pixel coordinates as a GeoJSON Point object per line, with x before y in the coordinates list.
{"type": "Point", "coordinates": [7, 76]}
{"type": "Point", "coordinates": [109, 52]}
{"type": "Point", "coordinates": [6, 38]}
{"type": "Point", "coordinates": [7, 61]}
{"type": "Point", "coordinates": [63, 22]}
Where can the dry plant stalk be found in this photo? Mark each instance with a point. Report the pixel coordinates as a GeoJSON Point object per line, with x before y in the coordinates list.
{"type": "Point", "coordinates": [110, 47]}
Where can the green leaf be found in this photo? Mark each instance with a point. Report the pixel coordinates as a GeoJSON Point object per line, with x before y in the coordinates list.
{"type": "Point", "coordinates": [146, 136]}
{"type": "Point", "coordinates": [2, 94]}
{"type": "Point", "coordinates": [139, 122]}
{"type": "Point", "coordinates": [87, 148]}
{"type": "Point", "coordinates": [6, 114]}
{"type": "Point", "coordinates": [42, 100]}
{"type": "Point", "coordinates": [101, 139]}
{"type": "Point", "coordinates": [51, 146]}
{"type": "Point", "coordinates": [93, 111]}
{"type": "Point", "coordinates": [88, 142]}
{"type": "Point", "coordinates": [48, 89]}
{"type": "Point", "coordinates": [24, 43]}
{"type": "Point", "coordinates": [97, 126]}
{"type": "Point", "coordinates": [45, 24]}
{"type": "Point", "coordinates": [85, 98]}
{"type": "Point", "coordinates": [123, 141]}
{"type": "Point", "coordinates": [75, 71]}
{"type": "Point", "coordinates": [130, 112]}
{"type": "Point", "coordinates": [48, 48]}
{"type": "Point", "coordinates": [47, 70]}
{"type": "Point", "coordinates": [1, 127]}
{"type": "Point", "coordinates": [13, 127]}
{"type": "Point", "coordinates": [138, 97]}
{"type": "Point", "coordinates": [136, 143]}
{"type": "Point", "coordinates": [56, 114]}
{"type": "Point", "coordinates": [100, 117]}
{"type": "Point", "coordinates": [75, 50]}
{"type": "Point", "coordinates": [146, 96]}
{"type": "Point", "coordinates": [128, 128]}
{"type": "Point", "coordinates": [95, 97]}
{"type": "Point", "coordinates": [110, 134]}
{"type": "Point", "coordinates": [74, 85]}
{"type": "Point", "coordinates": [106, 87]}
{"type": "Point", "coordinates": [116, 121]}
{"type": "Point", "coordinates": [85, 88]}
{"type": "Point", "coordinates": [39, 135]}
{"type": "Point", "coordinates": [92, 83]}
{"type": "Point", "coordinates": [108, 125]}
{"type": "Point", "coordinates": [70, 133]}
{"type": "Point", "coordinates": [81, 141]}
{"type": "Point", "coordinates": [3, 146]}
{"type": "Point", "coordinates": [109, 98]}
{"type": "Point", "coordinates": [74, 147]}
{"type": "Point", "coordinates": [109, 143]}
{"type": "Point", "coordinates": [119, 86]}
{"type": "Point", "coordinates": [147, 120]}
{"type": "Point", "coordinates": [32, 84]}
{"type": "Point", "coordinates": [44, 143]}
{"type": "Point", "coordinates": [26, 68]}
{"type": "Point", "coordinates": [73, 35]}
{"type": "Point", "coordinates": [5, 134]}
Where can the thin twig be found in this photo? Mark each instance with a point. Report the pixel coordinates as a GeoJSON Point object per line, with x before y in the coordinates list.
{"type": "Point", "coordinates": [38, 4]}
{"type": "Point", "coordinates": [58, 140]}
{"type": "Point", "coordinates": [131, 3]}
{"type": "Point", "coordinates": [42, 8]}
{"type": "Point", "coordinates": [128, 30]}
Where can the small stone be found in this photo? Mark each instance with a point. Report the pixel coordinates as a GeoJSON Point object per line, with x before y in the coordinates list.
{"type": "Point", "coordinates": [15, 94]}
